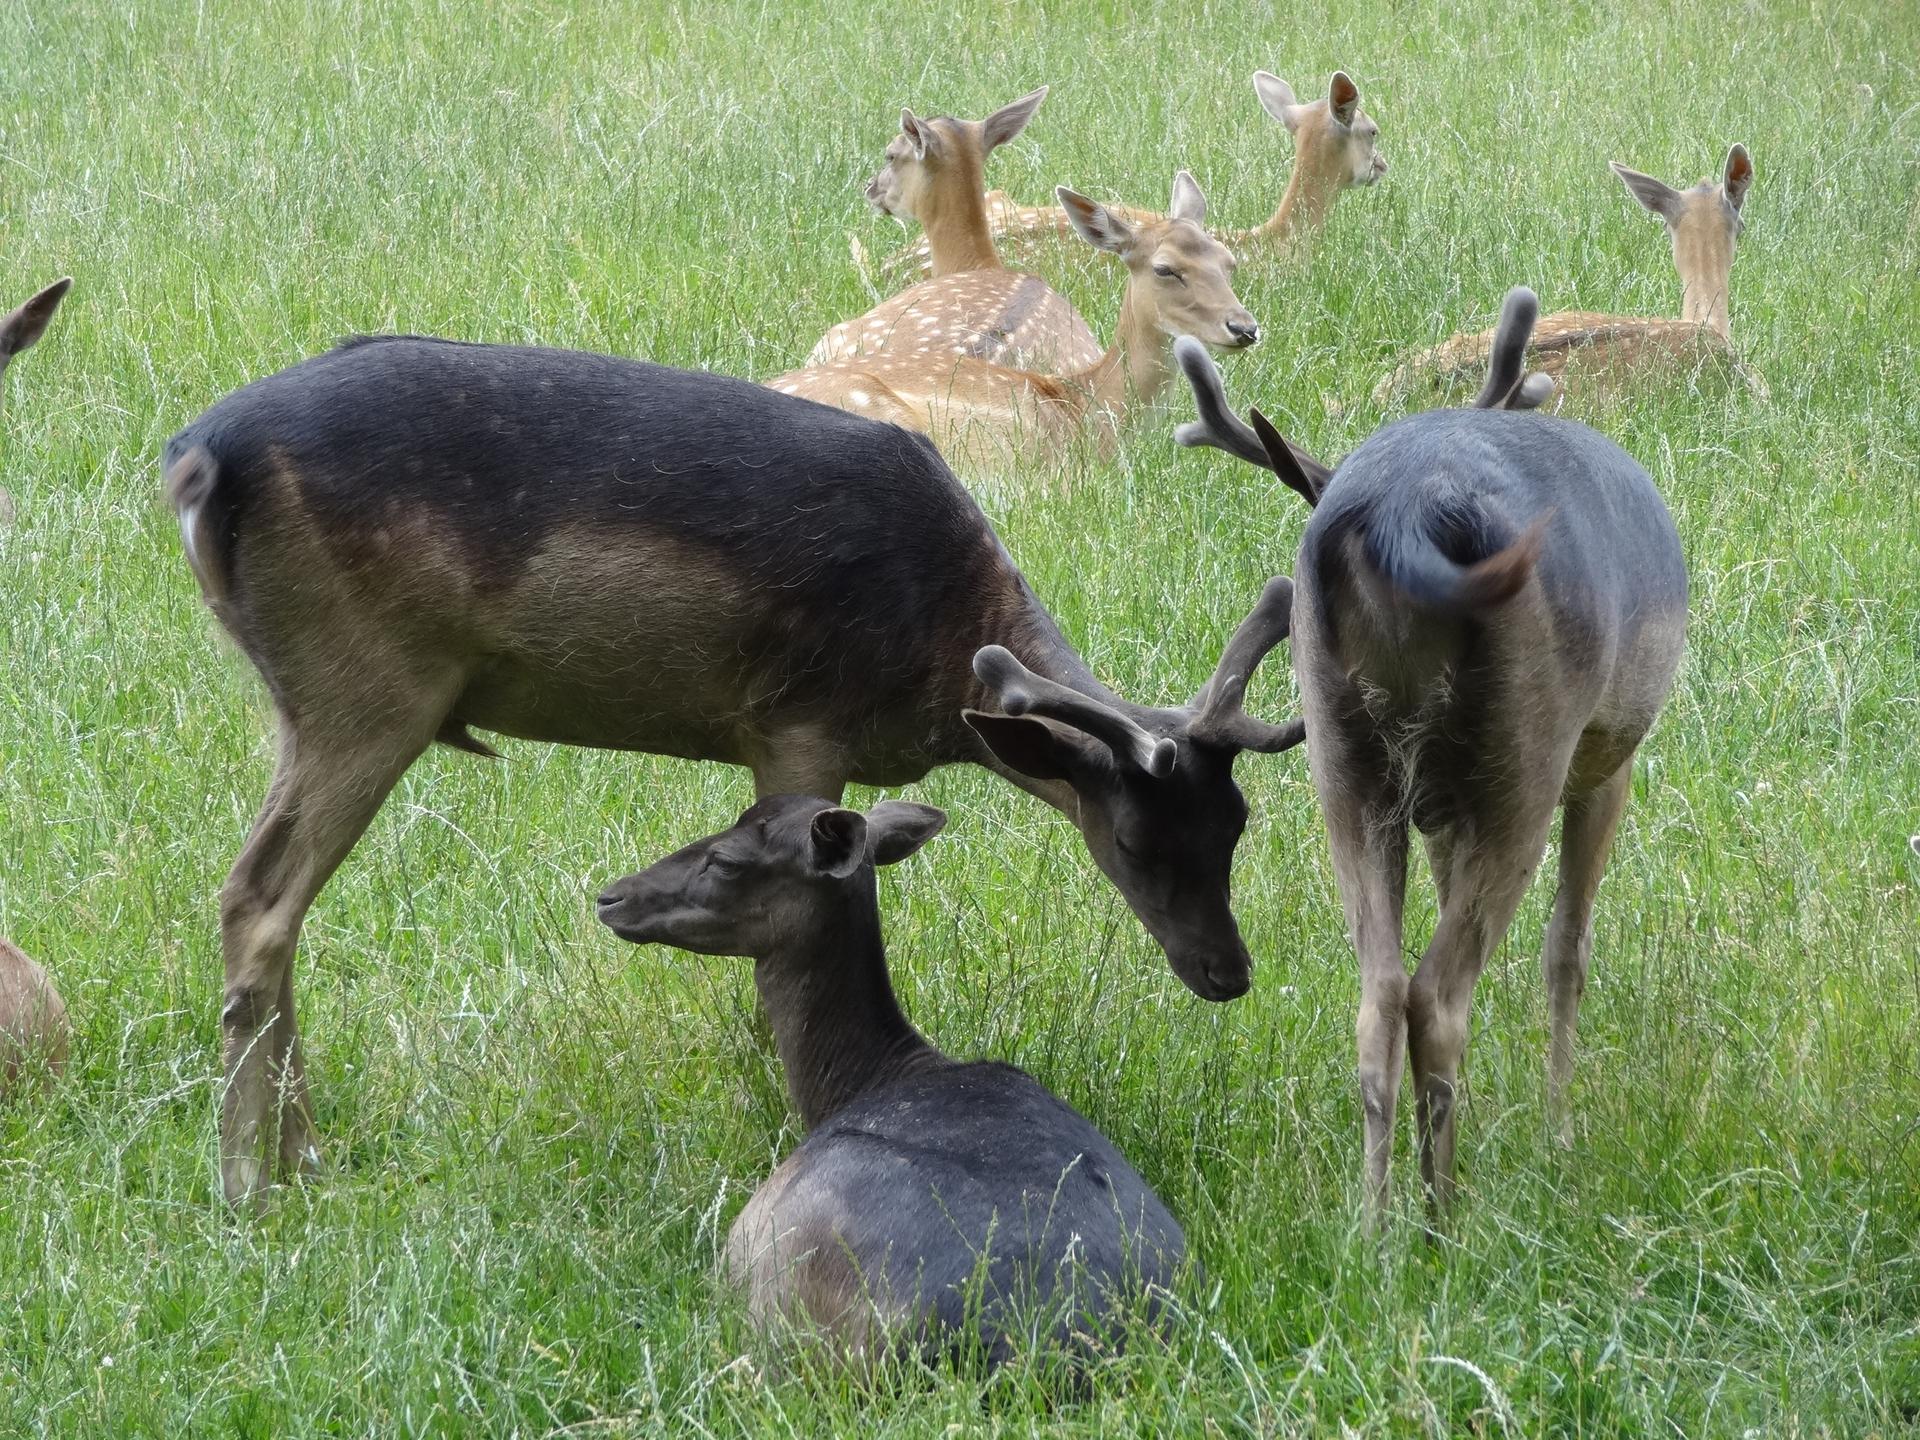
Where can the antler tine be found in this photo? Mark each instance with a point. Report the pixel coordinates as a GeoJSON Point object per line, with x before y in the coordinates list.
{"type": "Point", "coordinates": [1021, 692]}
{"type": "Point", "coordinates": [1220, 717]}
{"type": "Point", "coordinates": [1507, 387]}
{"type": "Point", "coordinates": [1534, 392]}
{"type": "Point", "coordinates": [1219, 427]}
{"type": "Point", "coordinates": [1306, 475]}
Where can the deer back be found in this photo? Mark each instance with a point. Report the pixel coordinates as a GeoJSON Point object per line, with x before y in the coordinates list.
{"type": "Point", "coordinates": [586, 549]}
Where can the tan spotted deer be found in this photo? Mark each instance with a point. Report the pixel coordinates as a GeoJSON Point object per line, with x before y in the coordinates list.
{"type": "Point", "coordinates": [1335, 149]}
{"type": "Point", "coordinates": [1593, 346]}
{"type": "Point", "coordinates": [986, 417]}
{"type": "Point", "coordinates": [972, 304]}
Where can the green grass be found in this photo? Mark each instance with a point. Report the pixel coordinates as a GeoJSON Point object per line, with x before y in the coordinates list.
{"type": "Point", "coordinates": [536, 1134]}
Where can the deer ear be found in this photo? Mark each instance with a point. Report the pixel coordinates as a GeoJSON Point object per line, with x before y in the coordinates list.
{"type": "Point", "coordinates": [1343, 97]}
{"type": "Point", "coordinates": [897, 828]}
{"type": "Point", "coordinates": [922, 136]}
{"type": "Point", "coordinates": [1094, 223]}
{"type": "Point", "coordinates": [1009, 120]}
{"type": "Point", "coordinates": [29, 322]}
{"type": "Point", "coordinates": [1188, 202]}
{"type": "Point", "coordinates": [1737, 176]}
{"type": "Point", "coordinates": [1032, 747]}
{"type": "Point", "coordinates": [1276, 98]}
{"type": "Point", "coordinates": [1658, 196]}
{"type": "Point", "coordinates": [837, 842]}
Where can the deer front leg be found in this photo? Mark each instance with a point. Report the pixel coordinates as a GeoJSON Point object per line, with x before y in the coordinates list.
{"type": "Point", "coordinates": [1586, 837]}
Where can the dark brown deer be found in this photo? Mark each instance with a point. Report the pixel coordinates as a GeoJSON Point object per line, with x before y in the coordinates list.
{"type": "Point", "coordinates": [933, 1202]}
{"type": "Point", "coordinates": [412, 539]}
{"type": "Point", "coordinates": [18, 331]}
{"type": "Point", "coordinates": [1491, 609]}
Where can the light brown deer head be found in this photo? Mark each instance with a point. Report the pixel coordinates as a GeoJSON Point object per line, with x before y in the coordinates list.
{"type": "Point", "coordinates": [936, 174]}
{"type": "Point", "coordinates": [1705, 225]}
{"type": "Point", "coordinates": [1335, 148]}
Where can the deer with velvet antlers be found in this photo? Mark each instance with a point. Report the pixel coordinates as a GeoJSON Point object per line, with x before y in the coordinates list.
{"type": "Point", "coordinates": [1491, 609]}
{"type": "Point", "coordinates": [414, 539]}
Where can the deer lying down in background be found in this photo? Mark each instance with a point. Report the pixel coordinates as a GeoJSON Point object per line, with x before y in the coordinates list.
{"type": "Point", "coordinates": [987, 418]}
{"type": "Point", "coordinates": [1334, 150]}
{"type": "Point", "coordinates": [413, 538]}
{"type": "Point", "coordinates": [972, 305]}
{"type": "Point", "coordinates": [34, 1029]}
{"type": "Point", "coordinates": [932, 1200]}
{"type": "Point", "coordinates": [18, 331]}
{"type": "Point", "coordinates": [1508, 387]}
{"type": "Point", "coordinates": [1490, 610]}
{"type": "Point", "coordinates": [1586, 346]}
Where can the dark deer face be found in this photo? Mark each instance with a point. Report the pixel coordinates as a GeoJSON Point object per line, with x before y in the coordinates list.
{"type": "Point", "coordinates": [1156, 799]}
{"type": "Point", "coordinates": [769, 880]}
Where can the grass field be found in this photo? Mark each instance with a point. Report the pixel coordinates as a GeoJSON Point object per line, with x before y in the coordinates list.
{"type": "Point", "coordinates": [536, 1134]}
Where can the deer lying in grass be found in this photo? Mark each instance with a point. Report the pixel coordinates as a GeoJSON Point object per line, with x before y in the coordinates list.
{"type": "Point", "coordinates": [1586, 345]}
{"type": "Point", "coordinates": [1490, 613]}
{"type": "Point", "coordinates": [411, 537]}
{"type": "Point", "coordinates": [1509, 387]}
{"type": "Point", "coordinates": [972, 305]}
{"type": "Point", "coordinates": [987, 417]}
{"type": "Point", "coordinates": [1335, 148]}
{"type": "Point", "coordinates": [18, 331]}
{"type": "Point", "coordinates": [932, 1201]}
{"type": "Point", "coordinates": [34, 1029]}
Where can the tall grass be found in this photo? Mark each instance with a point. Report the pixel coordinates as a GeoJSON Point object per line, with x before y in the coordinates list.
{"type": "Point", "coordinates": [535, 1135]}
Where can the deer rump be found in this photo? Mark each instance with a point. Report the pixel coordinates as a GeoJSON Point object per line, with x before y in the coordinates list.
{"type": "Point", "coordinates": [1416, 595]}
{"type": "Point", "coordinates": [570, 547]}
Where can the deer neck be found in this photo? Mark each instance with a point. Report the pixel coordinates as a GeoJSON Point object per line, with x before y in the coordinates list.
{"type": "Point", "coordinates": [1132, 371]}
{"type": "Point", "coordinates": [836, 1024]}
{"type": "Point", "coordinates": [955, 219]}
{"type": "Point", "coordinates": [1024, 626]}
{"type": "Point", "coordinates": [1703, 301]}
{"type": "Point", "coordinates": [1303, 206]}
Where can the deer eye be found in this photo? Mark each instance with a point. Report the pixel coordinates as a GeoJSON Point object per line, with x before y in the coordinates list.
{"type": "Point", "coordinates": [1167, 272]}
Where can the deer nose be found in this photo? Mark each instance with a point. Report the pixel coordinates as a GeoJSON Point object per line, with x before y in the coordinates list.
{"type": "Point", "coordinates": [1243, 328]}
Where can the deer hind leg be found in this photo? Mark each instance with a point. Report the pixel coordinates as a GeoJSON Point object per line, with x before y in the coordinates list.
{"type": "Point", "coordinates": [1368, 838]}
{"type": "Point", "coordinates": [1586, 838]}
{"type": "Point", "coordinates": [1490, 862]}
{"type": "Point", "coordinates": [327, 787]}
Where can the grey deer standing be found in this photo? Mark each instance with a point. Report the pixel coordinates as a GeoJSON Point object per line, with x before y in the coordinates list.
{"type": "Point", "coordinates": [932, 1202]}
{"type": "Point", "coordinates": [1490, 611]}
{"type": "Point", "coordinates": [414, 538]}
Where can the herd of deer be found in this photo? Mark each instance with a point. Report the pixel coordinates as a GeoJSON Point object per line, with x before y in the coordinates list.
{"type": "Point", "coordinates": [413, 539]}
